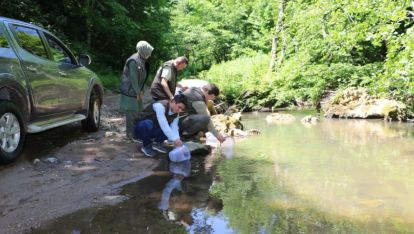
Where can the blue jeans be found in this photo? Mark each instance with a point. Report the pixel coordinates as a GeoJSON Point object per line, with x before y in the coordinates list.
{"type": "Point", "coordinates": [146, 130]}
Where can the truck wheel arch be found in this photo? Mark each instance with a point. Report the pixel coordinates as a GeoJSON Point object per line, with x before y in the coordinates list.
{"type": "Point", "coordinates": [19, 98]}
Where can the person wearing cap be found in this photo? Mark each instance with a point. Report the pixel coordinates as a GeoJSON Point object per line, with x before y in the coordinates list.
{"type": "Point", "coordinates": [198, 118]}
{"type": "Point", "coordinates": [159, 121]}
{"type": "Point", "coordinates": [165, 81]}
{"type": "Point", "coordinates": [133, 80]}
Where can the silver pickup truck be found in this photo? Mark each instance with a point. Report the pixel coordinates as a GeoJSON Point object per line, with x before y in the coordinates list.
{"type": "Point", "coordinates": [42, 86]}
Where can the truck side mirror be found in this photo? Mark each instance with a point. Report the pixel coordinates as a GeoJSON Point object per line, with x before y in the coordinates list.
{"type": "Point", "coordinates": [84, 60]}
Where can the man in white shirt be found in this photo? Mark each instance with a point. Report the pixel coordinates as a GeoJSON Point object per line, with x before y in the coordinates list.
{"type": "Point", "coordinates": [159, 121]}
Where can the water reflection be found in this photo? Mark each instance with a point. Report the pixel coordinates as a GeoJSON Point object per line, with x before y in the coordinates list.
{"type": "Point", "coordinates": [179, 171]}
{"type": "Point", "coordinates": [353, 172]}
{"type": "Point", "coordinates": [363, 132]}
{"type": "Point", "coordinates": [168, 201]}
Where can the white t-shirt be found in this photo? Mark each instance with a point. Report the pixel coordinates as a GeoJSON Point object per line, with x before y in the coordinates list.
{"type": "Point", "coordinates": [191, 83]}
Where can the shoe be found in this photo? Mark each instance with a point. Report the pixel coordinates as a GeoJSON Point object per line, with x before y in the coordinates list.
{"type": "Point", "coordinates": [169, 143]}
{"type": "Point", "coordinates": [148, 151]}
{"type": "Point", "coordinates": [159, 147]}
{"type": "Point", "coordinates": [136, 140]}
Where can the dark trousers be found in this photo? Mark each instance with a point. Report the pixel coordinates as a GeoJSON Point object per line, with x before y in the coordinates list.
{"type": "Point", "coordinates": [146, 130]}
{"type": "Point", "coordinates": [192, 124]}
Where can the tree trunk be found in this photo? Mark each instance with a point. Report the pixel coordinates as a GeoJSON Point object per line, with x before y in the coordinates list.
{"type": "Point", "coordinates": [89, 24]}
{"type": "Point", "coordinates": [275, 39]}
{"type": "Point", "coordinates": [282, 52]}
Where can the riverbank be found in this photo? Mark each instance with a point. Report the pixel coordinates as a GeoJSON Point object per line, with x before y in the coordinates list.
{"type": "Point", "coordinates": [84, 173]}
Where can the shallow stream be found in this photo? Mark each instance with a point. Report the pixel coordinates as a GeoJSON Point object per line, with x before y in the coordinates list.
{"type": "Point", "coordinates": [338, 176]}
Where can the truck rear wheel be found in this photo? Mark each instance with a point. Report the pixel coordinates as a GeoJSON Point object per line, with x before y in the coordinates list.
{"type": "Point", "coordinates": [91, 123]}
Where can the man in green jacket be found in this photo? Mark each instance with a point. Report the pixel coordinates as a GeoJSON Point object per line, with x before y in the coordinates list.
{"type": "Point", "coordinates": [165, 81]}
{"type": "Point", "coordinates": [133, 80]}
{"type": "Point", "coordinates": [198, 118]}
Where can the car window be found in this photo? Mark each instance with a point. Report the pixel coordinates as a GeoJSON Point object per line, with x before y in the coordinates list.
{"type": "Point", "coordinates": [29, 39]}
{"type": "Point", "coordinates": [59, 53]}
{"type": "Point", "coordinates": [3, 40]}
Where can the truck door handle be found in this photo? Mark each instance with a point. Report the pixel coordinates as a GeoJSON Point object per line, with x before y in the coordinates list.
{"type": "Point", "coordinates": [31, 68]}
{"type": "Point", "coordinates": [62, 73]}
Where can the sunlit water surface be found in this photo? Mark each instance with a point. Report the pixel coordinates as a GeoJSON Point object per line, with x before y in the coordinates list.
{"type": "Point", "coordinates": [338, 176]}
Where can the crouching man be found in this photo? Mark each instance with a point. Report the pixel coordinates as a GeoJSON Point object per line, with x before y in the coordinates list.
{"type": "Point", "coordinates": [198, 118]}
{"type": "Point", "coordinates": [159, 122]}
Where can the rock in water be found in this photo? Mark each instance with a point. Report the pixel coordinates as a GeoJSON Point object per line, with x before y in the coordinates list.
{"type": "Point", "coordinates": [357, 103]}
{"type": "Point", "coordinates": [278, 118]}
{"type": "Point", "coordinates": [310, 119]}
{"type": "Point", "coordinates": [197, 148]}
{"type": "Point", "coordinates": [226, 124]}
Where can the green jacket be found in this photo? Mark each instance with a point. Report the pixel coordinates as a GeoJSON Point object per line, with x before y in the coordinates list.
{"type": "Point", "coordinates": [131, 103]}
{"type": "Point", "coordinates": [133, 78]}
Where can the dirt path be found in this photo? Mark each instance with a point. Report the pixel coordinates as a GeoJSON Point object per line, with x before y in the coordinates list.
{"type": "Point", "coordinates": [86, 172]}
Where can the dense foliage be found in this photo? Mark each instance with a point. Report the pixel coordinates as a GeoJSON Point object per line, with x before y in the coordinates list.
{"type": "Point", "coordinates": [322, 45]}
{"type": "Point", "coordinates": [328, 45]}
{"type": "Point", "coordinates": [107, 30]}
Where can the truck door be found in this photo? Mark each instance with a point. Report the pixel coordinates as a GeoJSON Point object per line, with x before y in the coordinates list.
{"type": "Point", "coordinates": [40, 71]}
{"type": "Point", "coordinates": [73, 78]}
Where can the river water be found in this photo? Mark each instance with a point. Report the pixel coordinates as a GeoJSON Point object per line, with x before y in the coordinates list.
{"type": "Point", "coordinates": [338, 176]}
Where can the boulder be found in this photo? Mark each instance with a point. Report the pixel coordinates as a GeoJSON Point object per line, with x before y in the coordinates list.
{"type": "Point", "coordinates": [198, 148]}
{"type": "Point", "coordinates": [278, 118]}
{"type": "Point", "coordinates": [211, 107]}
{"type": "Point", "coordinates": [226, 124]}
{"type": "Point", "coordinates": [310, 119]}
{"type": "Point", "coordinates": [357, 103]}
{"type": "Point", "coordinates": [237, 115]}
{"type": "Point", "coordinates": [253, 132]}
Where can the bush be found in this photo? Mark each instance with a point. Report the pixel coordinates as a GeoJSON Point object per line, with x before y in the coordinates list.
{"type": "Point", "coordinates": [234, 78]}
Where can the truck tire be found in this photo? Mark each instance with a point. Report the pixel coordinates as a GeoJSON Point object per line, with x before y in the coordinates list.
{"type": "Point", "coordinates": [12, 132]}
{"type": "Point", "coordinates": [92, 122]}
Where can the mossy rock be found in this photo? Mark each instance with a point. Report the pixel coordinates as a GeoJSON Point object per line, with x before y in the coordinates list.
{"type": "Point", "coordinates": [357, 103]}
{"type": "Point", "coordinates": [226, 124]}
{"type": "Point", "coordinates": [279, 118]}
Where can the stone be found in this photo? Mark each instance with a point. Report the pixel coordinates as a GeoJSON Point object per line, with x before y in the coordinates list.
{"type": "Point", "coordinates": [253, 132]}
{"type": "Point", "coordinates": [225, 124]}
{"type": "Point", "coordinates": [52, 160]}
{"type": "Point", "coordinates": [279, 118]}
{"type": "Point", "coordinates": [237, 115]}
{"type": "Point", "coordinates": [357, 103]}
{"type": "Point", "coordinates": [198, 148]}
{"type": "Point", "coordinates": [110, 134]}
{"type": "Point", "coordinates": [36, 161]}
{"type": "Point", "coordinates": [310, 119]}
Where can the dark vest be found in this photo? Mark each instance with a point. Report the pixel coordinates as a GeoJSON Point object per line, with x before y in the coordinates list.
{"type": "Point", "coordinates": [194, 94]}
{"type": "Point", "coordinates": [126, 85]}
{"type": "Point", "coordinates": [149, 113]}
{"type": "Point", "coordinates": [157, 92]}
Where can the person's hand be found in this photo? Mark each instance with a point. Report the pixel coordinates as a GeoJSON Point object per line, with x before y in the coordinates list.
{"type": "Point", "coordinates": [221, 138]}
{"type": "Point", "coordinates": [140, 96]}
{"type": "Point", "coordinates": [178, 142]}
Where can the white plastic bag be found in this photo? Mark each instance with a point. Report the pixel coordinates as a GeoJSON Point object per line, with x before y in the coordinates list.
{"type": "Point", "coordinates": [227, 147]}
{"type": "Point", "coordinates": [179, 154]}
{"type": "Point", "coordinates": [211, 140]}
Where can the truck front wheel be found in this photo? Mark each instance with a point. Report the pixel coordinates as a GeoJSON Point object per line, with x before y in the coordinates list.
{"type": "Point", "coordinates": [12, 133]}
